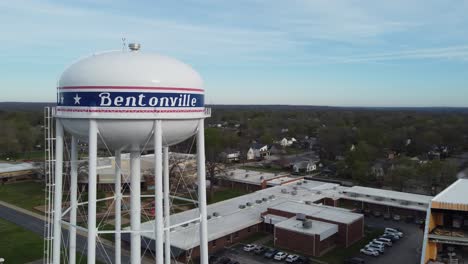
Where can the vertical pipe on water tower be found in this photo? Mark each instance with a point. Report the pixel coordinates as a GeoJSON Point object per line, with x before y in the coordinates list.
{"type": "Point", "coordinates": [58, 191]}
{"type": "Point", "coordinates": [73, 199]}
{"type": "Point", "coordinates": [158, 170]}
{"type": "Point", "coordinates": [202, 191]}
{"type": "Point", "coordinates": [167, 212]}
{"type": "Point", "coordinates": [135, 206]}
{"type": "Point", "coordinates": [118, 203]}
{"type": "Point", "coordinates": [92, 190]}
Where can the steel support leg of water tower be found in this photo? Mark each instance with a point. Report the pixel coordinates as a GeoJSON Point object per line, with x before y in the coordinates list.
{"type": "Point", "coordinates": [158, 181]}
{"type": "Point", "coordinates": [73, 199]}
{"type": "Point", "coordinates": [202, 192]}
{"type": "Point", "coordinates": [135, 206]}
{"type": "Point", "coordinates": [92, 190]}
{"type": "Point", "coordinates": [58, 191]}
{"type": "Point", "coordinates": [118, 207]}
{"type": "Point", "coordinates": [167, 208]}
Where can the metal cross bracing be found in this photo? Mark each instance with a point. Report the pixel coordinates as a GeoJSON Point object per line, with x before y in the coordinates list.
{"type": "Point", "coordinates": [48, 182]}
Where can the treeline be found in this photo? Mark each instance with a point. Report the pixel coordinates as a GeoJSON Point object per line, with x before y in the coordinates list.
{"type": "Point", "coordinates": [21, 133]}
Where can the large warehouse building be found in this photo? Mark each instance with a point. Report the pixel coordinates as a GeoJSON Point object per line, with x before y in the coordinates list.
{"type": "Point", "coordinates": [446, 233]}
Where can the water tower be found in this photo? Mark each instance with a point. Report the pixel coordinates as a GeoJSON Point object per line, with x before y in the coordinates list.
{"type": "Point", "coordinates": [127, 101]}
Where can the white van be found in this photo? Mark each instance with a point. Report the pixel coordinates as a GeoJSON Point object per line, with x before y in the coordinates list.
{"type": "Point", "coordinates": [393, 231]}
{"type": "Point", "coordinates": [377, 242]}
{"type": "Point", "coordinates": [387, 241]}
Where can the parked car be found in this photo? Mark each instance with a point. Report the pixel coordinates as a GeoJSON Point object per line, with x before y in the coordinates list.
{"type": "Point", "coordinates": [420, 221]}
{"type": "Point", "coordinates": [354, 261]}
{"type": "Point", "coordinates": [224, 260]}
{"type": "Point", "coordinates": [302, 260]}
{"type": "Point", "coordinates": [386, 216]}
{"type": "Point", "coordinates": [369, 252]}
{"type": "Point", "coordinates": [280, 256]}
{"type": "Point", "coordinates": [259, 250]}
{"type": "Point", "coordinates": [375, 241]}
{"type": "Point", "coordinates": [394, 231]}
{"type": "Point", "coordinates": [291, 258]}
{"type": "Point", "coordinates": [409, 219]}
{"type": "Point", "coordinates": [249, 247]}
{"type": "Point", "coordinates": [270, 253]}
{"type": "Point", "coordinates": [386, 241]}
{"type": "Point", "coordinates": [396, 217]}
{"type": "Point", "coordinates": [375, 247]}
{"type": "Point", "coordinates": [212, 259]}
{"type": "Point", "coordinates": [392, 237]}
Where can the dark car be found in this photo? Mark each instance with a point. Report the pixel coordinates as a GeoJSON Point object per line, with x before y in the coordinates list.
{"type": "Point", "coordinates": [302, 260]}
{"type": "Point", "coordinates": [260, 250]}
{"type": "Point", "coordinates": [354, 261]}
{"type": "Point", "coordinates": [212, 259]}
{"type": "Point", "coordinates": [270, 253]}
{"type": "Point", "coordinates": [386, 216]}
{"type": "Point", "coordinates": [224, 260]}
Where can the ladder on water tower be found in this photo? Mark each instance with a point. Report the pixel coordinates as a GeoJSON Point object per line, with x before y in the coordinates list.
{"type": "Point", "coordinates": [49, 169]}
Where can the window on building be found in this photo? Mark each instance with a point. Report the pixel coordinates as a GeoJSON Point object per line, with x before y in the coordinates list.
{"type": "Point", "coordinates": [249, 229]}
{"type": "Point", "coordinates": [213, 243]}
{"type": "Point", "coordinates": [236, 234]}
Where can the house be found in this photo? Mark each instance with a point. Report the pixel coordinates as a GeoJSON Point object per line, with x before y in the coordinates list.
{"type": "Point", "coordinates": [304, 166]}
{"type": "Point", "coordinates": [231, 155]}
{"type": "Point", "coordinates": [287, 142]}
{"type": "Point", "coordinates": [258, 151]}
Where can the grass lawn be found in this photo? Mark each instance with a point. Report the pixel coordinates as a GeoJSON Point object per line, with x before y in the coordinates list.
{"type": "Point", "coordinates": [339, 254]}
{"type": "Point", "coordinates": [225, 194]}
{"type": "Point", "coordinates": [18, 245]}
{"type": "Point", "coordinates": [23, 194]}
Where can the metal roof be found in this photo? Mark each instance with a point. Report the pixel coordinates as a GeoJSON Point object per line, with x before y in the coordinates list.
{"type": "Point", "coordinates": [457, 193]}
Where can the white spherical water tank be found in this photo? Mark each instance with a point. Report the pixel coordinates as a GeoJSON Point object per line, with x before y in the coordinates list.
{"type": "Point", "coordinates": [125, 92]}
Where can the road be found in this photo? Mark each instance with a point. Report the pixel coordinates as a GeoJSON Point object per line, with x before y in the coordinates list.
{"type": "Point", "coordinates": [104, 253]}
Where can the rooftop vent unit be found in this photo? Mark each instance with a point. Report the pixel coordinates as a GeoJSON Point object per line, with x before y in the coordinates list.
{"type": "Point", "coordinates": [300, 217]}
{"type": "Point", "coordinates": [307, 224]}
{"type": "Point", "coordinates": [248, 204]}
{"type": "Point", "coordinates": [319, 192]}
{"type": "Point", "coordinates": [208, 217]}
{"type": "Point", "coordinates": [308, 202]}
{"type": "Point", "coordinates": [284, 190]}
{"type": "Point", "coordinates": [261, 177]}
{"type": "Point", "coordinates": [378, 198]}
{"type": "Point", "coordinates": [271, 197]}
{"type": "Point", "coordinates": [334, 188]}
{"type": "Point", "coordinates": [265, 199]}
{"type": "Point", "coordinates": [299, 183]}
{"type": "Point", "coordinates": [404, 203]}
{"type": "Point", "coordinates": [294, 192]}
{"type": "Point", "coordinates": [232, 173]}
{"type": "Point", "coordinates": [305, 181]}
{"type": "Point", "coordinates": [241, 206]}
{"type": "Point", "coordinates": [258, 201]}
{"type": "Point", "coordinates": [215, 214]}
{"type": "Point", "coordinates": [276, 174]}
{"type": "Point", "coordinates": [246, 175]}
{"type": "Point", "coordinates": [294, 188]}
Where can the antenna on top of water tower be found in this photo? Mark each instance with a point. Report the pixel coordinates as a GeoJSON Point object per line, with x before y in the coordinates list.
{"type": "Point", "coordinates": [124, 44]}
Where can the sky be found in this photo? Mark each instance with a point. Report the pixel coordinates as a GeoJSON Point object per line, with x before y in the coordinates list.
{"type": "Point", "coordinates": [298, 52]}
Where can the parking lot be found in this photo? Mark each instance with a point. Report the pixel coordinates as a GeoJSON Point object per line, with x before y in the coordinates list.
{"type": "Point", "coordinates": [406, 250]}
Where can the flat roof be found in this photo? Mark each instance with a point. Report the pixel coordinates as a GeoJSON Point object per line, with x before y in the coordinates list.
{"type": "Point", "coordinates": [322, 229]}
{"type": "Point", "coordinates": [360, 191]}
{"type": "Point", "coordinates": [454, 197]}
{"type": "Point", "coordinates": [281, 180]}
{"type": "Point", "coordinates": [335, 214]}
{"type": "Point", "coordinates": [12, 167]}
{"type": "Point", "coordinates": [251, 176]}
{"type": "Point", "coordinates": [295, 196]}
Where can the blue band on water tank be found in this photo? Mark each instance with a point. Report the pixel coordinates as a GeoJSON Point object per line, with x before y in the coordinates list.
{"type": "Point", "coordinates": [130, 99]}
